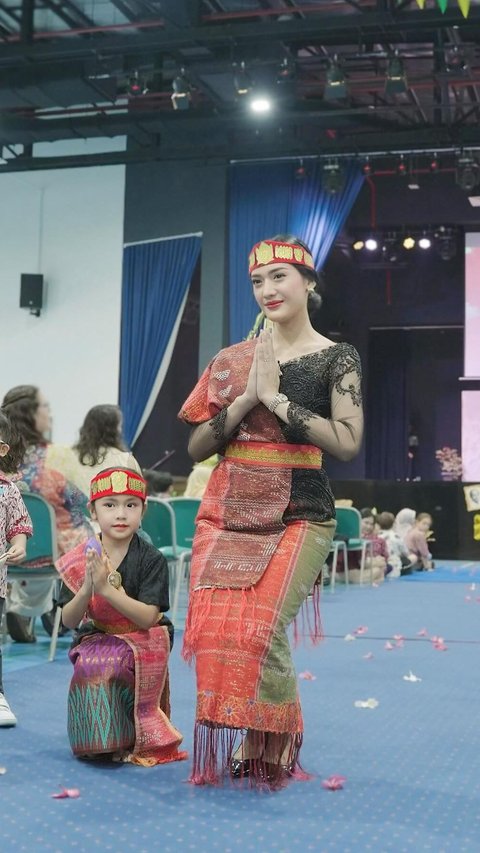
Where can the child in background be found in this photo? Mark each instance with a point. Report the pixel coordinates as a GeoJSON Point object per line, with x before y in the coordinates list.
{"type": "Point", "coordinates": [118, 703]}
{"type": "Point", "coordinates": [15, 526]}
{"type": "Point", "coordinates": [398, 556]}
{"type": "Point", "coordinates": [159, 483]}
{"type": "Point", "coordinates": [416, 541]}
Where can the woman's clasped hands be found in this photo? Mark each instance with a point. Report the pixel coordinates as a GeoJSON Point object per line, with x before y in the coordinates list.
{"type": "Point", "coordinates": [264, 377]}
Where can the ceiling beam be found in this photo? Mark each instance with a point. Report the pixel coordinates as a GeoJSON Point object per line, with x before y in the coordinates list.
{"type": "Point", "coordinates": [410, 27]}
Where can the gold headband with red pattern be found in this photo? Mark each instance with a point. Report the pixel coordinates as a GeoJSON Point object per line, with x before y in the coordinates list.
{"type": "Point", "coordinates": [117, 481]}
{"type": "Point", "coordinates": [270, 251]}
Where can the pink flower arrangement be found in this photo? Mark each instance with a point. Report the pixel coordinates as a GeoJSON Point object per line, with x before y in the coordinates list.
{"type": "Point", "coordinates": [450, 462]}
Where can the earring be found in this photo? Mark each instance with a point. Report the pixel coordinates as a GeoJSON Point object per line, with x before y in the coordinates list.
{"type": "Point", "coordinates": [311, 288]}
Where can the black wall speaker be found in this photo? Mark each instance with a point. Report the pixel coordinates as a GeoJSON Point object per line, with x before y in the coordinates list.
{"type": "Point", "coordinates": [31, 291]}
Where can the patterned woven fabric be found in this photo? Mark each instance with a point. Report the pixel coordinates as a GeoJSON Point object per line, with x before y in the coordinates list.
{"type": "Point", "coordinates": [100, 706]}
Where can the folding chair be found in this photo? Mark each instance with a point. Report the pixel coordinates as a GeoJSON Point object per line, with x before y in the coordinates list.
{"type": "Point", "coordinates": [41, 547]}
{"type": "Point", "coordinates": [349, 527]}
{"type": "Point", "coordinates": [185, 511]}
{"type": "Point", "coordinates": [159, 522]}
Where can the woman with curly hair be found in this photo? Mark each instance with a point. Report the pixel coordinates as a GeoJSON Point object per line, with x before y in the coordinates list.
{"type": "Point", "coordinates": [45, 470]}
{"type": "Point", "coordinates": [100, 445]}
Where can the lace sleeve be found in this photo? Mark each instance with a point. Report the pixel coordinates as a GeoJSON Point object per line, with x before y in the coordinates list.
{"type": "Point", "coordinates": [218, 424]}
{"type": "Point", "coordinates": [346, 374]}
{"type": "Point", "coordinates": [298, 419]}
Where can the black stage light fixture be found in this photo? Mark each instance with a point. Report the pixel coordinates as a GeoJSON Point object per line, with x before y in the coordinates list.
{"type": "Point", "coordinates": [286, 71]}
{"type": "Point", "coordinates": [336, 82]}
{"type": "Point", "coordinates": [446, 243]}
{"type": "Point", "coordinates": [136, 85]}
{"type": "Point", "coordinates": [333, 178]}
{"type": "Point", "coordinates": [367, 168]}
{"type": "Point", "coordinates": [396, 78]}
{"type": "Point", "coordinates": [467, 173]}
{"type": "Point", "coordinates": [242, 80]}
{"type": "Point", "coordinates": [182, 92]}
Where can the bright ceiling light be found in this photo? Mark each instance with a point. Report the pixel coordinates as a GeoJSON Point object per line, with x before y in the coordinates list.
{"type": "Point", "coordinates": [358, 245]}
{"type": "Point", "coordinates": [424, 242]}
{"type": "Point", "coordinates": [408, 243]}
{"type": "Point", "coordinates": [260, 104]}
{"type": "Point", "coordinates": [371, 244]}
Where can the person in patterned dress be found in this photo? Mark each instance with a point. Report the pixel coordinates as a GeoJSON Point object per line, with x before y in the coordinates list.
{"type": "Point", "coordinates": [15, 526]}
{"type": "Point", "coordinates": [269, 407]}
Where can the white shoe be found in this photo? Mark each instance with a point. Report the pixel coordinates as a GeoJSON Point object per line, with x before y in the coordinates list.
{"type": "Point", "coordinates": [7, 717]}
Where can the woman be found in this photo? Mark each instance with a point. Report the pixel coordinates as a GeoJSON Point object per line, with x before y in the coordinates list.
{"type": "Point", "coordinates": [100, 445]}
{"type": "Point", "coordinates": [45, 472]}
{"type": "Point", "coordinates": [265, 526]}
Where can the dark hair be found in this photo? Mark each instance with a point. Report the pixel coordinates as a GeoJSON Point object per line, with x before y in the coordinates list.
{"type": "Point", "coordinates": [314, 297]}
{"type": "Point", "coordinates": [100, 430]}
{"type": "Point", "coordinates": [10, 463]}
{"type": "Point", "coordinates": [157, 481]}
{"type": "Point", "coordinates": [367, 512]}
{"type": "Point", "coordinates": [21, 404]}
{"type": "Point", "coordinates": [386, 520]}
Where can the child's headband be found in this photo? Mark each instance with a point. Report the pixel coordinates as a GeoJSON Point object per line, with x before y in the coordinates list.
{"type": "Point", "coordinates": [117, 481]}
{"type": "Point", "coordinates": [269, 251]}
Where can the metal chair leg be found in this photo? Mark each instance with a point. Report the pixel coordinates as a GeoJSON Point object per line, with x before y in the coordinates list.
{"type": "Point", "coordinates": [56, 628]}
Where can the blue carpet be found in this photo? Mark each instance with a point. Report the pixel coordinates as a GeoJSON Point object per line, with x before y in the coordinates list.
{"type": "Point", "coordinates": [455, 572]}
{"type": "Point", "coordinates": [412, 764]}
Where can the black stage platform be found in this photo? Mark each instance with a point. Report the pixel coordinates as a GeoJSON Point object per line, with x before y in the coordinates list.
{"type": "Point", "coordinates": [453, 526]}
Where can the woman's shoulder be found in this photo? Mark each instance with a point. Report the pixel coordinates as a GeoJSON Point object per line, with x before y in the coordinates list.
{"type": "Point", "coordinates": [344, 357]}
{"type": "Point", "coordinates": [235, 351]}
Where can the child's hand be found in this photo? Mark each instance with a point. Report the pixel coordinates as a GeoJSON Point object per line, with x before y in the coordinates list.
{"type": "Point", "coordinates": [16, 554]}
{"type": "Point", "coordinates": [97, 569]}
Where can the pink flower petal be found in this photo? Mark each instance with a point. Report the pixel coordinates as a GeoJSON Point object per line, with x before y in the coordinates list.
{"type": "Point", "coordinates": [307, 676]}
{"type": "Point", "coordinates": [399, 644]}
{"type": "Point", "coordinates": [422, 632]}
{"type": "Point", "coordinates": [398, 637]}
{"type": "Point", "coordinates": [67, 793]}
{"type": "Point", "coordinates": [368, 656]}
{"type": "Point", "coordinates": [334, 783]}
{"type": "Point", "coordinates": [440, 647]}
{"type": "Point", "coordinates": [388, 646]}
{"type": "Point", "coordinates": [362, 629]}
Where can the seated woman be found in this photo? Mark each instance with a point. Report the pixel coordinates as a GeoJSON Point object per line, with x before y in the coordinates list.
{"type": "Point", "coordinates": [45, 470]}
{"type": "Point", "coordinates": [100, 445]}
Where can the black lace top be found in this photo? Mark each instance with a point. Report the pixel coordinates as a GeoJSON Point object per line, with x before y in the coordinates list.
{"type": "Point", "coordinates": [309, 381]}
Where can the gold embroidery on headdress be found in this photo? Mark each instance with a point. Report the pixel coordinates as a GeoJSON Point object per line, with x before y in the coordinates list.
{"type": "Point", "coordinates": [119, 480]}
{"type": "Point", "coordinates": [308, 260]}
{"type": "Point", "coordinates": [284, 252]}
{"type": "Point", "coordinates": [264, 253]}
{"type": "Point", "coordinates": [251, 260]}
{"type": "Point", "coordinates": [298, 254]}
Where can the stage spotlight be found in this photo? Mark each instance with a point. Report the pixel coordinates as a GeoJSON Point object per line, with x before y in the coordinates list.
{"type": "Point", "coordinates": [136, 86]}
{"type": "Point", "coordinates": [333, 178]}
{"type": "Point", "coordinates": [424, 242]}
{"type": "Point", "coordinates": [466, 172]}
{"type": "Point", "coordinates": [300, 172]}
{"type": "Point", "coordinates": [260, 104]}
{"type": "Point", "coordinates": [371, 244]}
{"type": "Point", "coordinates": [446, 243]}
{"type": "Point", "coordinates": [358, 245]}
{"type": "Point", "coordinates": [335, 83]}
{"type": "Point", "coordinates": [408, 242]}
{"type": "Point", "coordinates": [367, 168]}
{"type": "Point", "coordinates": [242, 80]}
{"type": "Point", "coordinates": [286, 70]}
{"type": "Point", "coordinates": [391, 248]}
{"type": "Point", "coordinates": [396, 79]}
{"type": "Point", "coordinates": [182, 92]}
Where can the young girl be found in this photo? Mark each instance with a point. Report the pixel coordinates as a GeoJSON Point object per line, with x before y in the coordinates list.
{"type": "Point", "coordinates": [118, 702]}
{"type": "Point", "coordinates": [15, 526]}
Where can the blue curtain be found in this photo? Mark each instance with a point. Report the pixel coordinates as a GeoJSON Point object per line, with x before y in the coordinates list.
{"type": "Point", "coordinates": [156, 278]}
{"type": "Point", "coordinates": [267, 199]}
